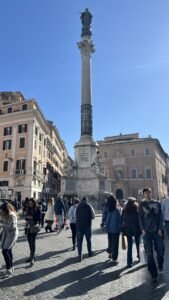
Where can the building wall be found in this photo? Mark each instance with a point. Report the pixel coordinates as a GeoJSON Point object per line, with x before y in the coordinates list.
{"type": "Point", "coordinates": [32, 179]}
{"type": "Point", "coordinates": [133, 163]}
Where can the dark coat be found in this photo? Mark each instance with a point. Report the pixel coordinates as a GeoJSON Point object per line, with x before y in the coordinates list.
{"type": "Point", "coordinates": [84, 216]}
{"type": "Point", "coordinates": [59, 207]}
{"type": "Point", "coordinates": [130, 223]}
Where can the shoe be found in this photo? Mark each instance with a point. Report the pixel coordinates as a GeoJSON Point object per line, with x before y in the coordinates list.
{"type": "Point", "coordinates": [90, 254]}
{"type": "Point", "coordinates": [138, 258]}
{"type": "Point", "coordinates": [160, 268]}
{"type": "Point", "coordinates": [28, 260]}
{"type": "Point", "coordinates": [115, 260]}
{"type": "Point", "coordinates": [7, 273]}
{"type": "Point", "coordinates": [129, 266]}
{"type": "Point", "coordinates": [32, 261]}
{"type": "Point", "coordinates": [80, 258]}
{"type": "Point", "coordinates": [110, 256]}
{"type": "Point", "coordinates": [74, 248]}
{"type": "Point", "coordinates": [154, 280]}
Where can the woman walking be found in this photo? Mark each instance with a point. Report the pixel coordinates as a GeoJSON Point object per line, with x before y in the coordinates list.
{"type": "Point", "coordinates": [49, 215]}
{"type": "Point", "coordinates": [131, 228]}
{"type": "Point", "coordinates": [9, 235]}
{"type": "Point", "coordinates": [32, 217]}
{"type": "Point", "coordinates": [112, 224]}
{"type": "Point", "coordinates": [72, 220]}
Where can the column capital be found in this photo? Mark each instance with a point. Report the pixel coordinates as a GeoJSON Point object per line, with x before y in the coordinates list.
{"type": "Point", "coordinates": [86, 47]}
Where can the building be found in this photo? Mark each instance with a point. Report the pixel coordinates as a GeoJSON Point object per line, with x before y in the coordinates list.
{"type": "Point", "coordinates": [32, 152]}
{"type": "Point", "coordinates": [133, 163]}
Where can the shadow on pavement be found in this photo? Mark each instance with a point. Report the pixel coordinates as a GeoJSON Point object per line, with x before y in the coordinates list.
{"type": "Point", "coordinates": [144, 291]}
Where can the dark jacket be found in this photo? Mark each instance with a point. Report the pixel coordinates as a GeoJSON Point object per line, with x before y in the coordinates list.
{"type": "Point", "coordinates": [59, 207]}
{"type": "Point", "coordinates": [130, 223]}
{"type": "Point", "coordinates": [150, 215]}
{"type": "Point", "coordinates": [113, 221]}
{"type": "Point", "coordinates": [35, 213]}
{"type": "Point", "coordinates": [84, 216]}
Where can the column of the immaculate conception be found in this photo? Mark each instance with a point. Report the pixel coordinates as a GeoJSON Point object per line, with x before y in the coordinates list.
{"type": "Point", "coordinates": [86, 175]}
{"type": "Point", "coordinates": [85, 149]}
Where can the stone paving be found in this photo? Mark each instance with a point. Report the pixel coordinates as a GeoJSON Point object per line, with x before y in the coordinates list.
{"type": "Point", "coordinates": [56, 273]}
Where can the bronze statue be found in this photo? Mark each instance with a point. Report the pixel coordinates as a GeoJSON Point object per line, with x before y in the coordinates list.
{"type": "Point", "coordinates": [86, 18]}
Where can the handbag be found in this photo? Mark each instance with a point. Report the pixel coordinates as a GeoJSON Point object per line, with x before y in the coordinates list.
{"type": "Point", "coordinates": [35, 228]}
{"type": "Point", "coordinates": [123, 242]}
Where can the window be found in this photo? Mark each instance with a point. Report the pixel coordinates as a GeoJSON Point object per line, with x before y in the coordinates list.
{"type": "Point", "coordinates": [148, 173]}
{"type": "Point", "coordinates": [3, 183]}
{"type": "Point", "coordinates": [36, 130]}
{"type": "Point", "coordinates": [24, 107]}
{"type": "Point", "coordinates": [9, 110]}
{"type": "Point", "coordinates": [6, 144]}
{"type": "Point", "coordinates": [22, 128]}
{"type": "Point", "coordinates": [105, 155]}
{"type": "Point", "coordinates": [22, 143]}
{"type": "Point", "coordinates": [35, 144]}
{"type": "Point", "coordinates": [40, 137]}
{"type": "Point", "coordinates": [118, 174]}
{"type": "Point", "coordinates": [133, 152]}
{"type": "Point", "coordinates": [133, 173]}
{"type": "Point", "coordinates": [147, 151]}
{"type": "Point", "coordinates": [39, 149]}
{"type": "Point", "coordinates": [5, 166]}
{"type": "Point", "coordinates": [20, 166]}
{"type": "Point", "coordinates": [7, 130]}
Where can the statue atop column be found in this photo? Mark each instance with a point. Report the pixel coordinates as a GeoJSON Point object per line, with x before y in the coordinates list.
{"type": "Point", "coordinates": [86, 18]}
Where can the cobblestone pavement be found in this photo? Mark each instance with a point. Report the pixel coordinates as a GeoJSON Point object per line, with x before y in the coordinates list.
{"type": "Point", "coordinates": [56, 273]}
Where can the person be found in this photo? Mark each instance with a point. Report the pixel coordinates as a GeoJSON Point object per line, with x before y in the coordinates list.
{"type": "Point", "coordinates": [104, 213]}
{"type": "Point", "coordinates": [151, 223]}
{"type": "Point", "coordinates": [43, 207]}
{"type": "Point", "coordinates": [60, 213]}
{"type": "Point", "coordinates": [72, 220]}
{"type": "Point", "coordinates": [32, 217]}
{"type": "Point", "coordinates": [165, 211]}
{"type": "Point", "coordinates": [112, 223]}
{"type": "Point", "coordinates": [49, 215]}
{"type": "Point", "coordinates": [9, 235]}
{"type": "Point", "coordinates": [84, 216]}
{"type": "Point", "coordinates": [131, 228]}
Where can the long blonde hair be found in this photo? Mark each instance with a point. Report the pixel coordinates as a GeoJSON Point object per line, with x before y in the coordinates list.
{"type": "Point", "coordinates": [5, 210]}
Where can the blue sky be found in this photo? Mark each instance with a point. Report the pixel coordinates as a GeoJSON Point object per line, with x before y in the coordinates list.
{"type": "Point", "coordinates": [130, 68]}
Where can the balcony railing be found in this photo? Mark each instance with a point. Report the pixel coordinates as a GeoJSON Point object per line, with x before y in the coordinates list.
{"type": "Point", "coordinates": [19, 172]}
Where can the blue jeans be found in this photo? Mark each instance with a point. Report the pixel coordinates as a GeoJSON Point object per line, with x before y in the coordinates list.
{"type": "Point", "coordinates": [130, 245]}
{"type": "Point", "coordinates": [80, 234]}
{"type": "Point", "coordinates": [167, 228]}
{"type": "Point", "coordinates": [152, 240]}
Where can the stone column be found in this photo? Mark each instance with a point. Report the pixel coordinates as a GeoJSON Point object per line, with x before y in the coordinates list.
{"type": "Point", "coordinates": [87, 48]}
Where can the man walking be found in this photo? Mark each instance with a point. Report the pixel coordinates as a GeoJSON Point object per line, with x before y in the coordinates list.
{"type": "Point", "coordinates": [84, 216]}
{"type": "Point", "coordinates": [151, 223]}
{"type": "Point", "coordinates": [165, 211]}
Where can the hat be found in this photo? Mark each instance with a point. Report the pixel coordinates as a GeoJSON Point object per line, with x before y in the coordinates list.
{"type": "Point", "coordinates": [146, 190]}
{"type": "Point", "coordinates": [131, 199]}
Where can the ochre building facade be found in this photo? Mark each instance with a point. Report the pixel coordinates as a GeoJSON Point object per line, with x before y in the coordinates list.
{"type": "Point", "coordinates": [133, 163]}
{"type": "Point", "coordinates": [32, 152]}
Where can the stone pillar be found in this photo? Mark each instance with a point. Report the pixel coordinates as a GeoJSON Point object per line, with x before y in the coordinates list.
{"type": "Point", "coordinates": [87, 48]}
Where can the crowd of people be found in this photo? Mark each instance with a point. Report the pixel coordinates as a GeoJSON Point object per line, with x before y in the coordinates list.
{"type": "Point", "coordinates": [147, 219]}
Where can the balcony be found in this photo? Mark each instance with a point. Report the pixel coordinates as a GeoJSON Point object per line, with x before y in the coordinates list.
{"type": "Point", "coordinates": [39, 176]}
{"type": "Point", "coordinates": [19, 172]}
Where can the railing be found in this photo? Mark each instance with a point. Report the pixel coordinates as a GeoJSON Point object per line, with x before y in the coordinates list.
{"type": "Point", "coordinates": [19, 172]}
